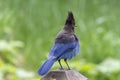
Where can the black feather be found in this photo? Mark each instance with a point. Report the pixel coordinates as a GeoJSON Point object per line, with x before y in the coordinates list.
{"type": "Point", "coordinates": [70, 19]}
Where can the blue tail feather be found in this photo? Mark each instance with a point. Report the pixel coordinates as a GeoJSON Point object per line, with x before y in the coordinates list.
{"type": "Point", "coordinates": [46, 66]}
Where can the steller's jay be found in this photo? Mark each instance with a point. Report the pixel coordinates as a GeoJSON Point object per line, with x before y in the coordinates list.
{"type": "Point", "coordinates": [65, 47]}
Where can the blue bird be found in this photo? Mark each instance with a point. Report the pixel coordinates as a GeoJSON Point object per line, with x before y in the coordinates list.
{"type": "Point", "coordinates": [65, 47]}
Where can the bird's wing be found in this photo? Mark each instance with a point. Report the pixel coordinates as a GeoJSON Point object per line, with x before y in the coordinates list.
{"type": "Point", "coordinates": [59, 48]}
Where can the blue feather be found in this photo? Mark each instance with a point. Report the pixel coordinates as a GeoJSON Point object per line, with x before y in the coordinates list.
{"type": "Point", "coordinates": [70, 53]}
{"type": "Point", "coordinates": [59, 48]}
{"type": "Point", "coordinates": [46, 66]}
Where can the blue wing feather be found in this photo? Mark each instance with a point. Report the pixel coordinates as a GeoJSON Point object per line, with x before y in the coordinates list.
{"type": "Point", "coordinates": [68, 54]}
{"type": "Point", "coordinates": [59, 49]}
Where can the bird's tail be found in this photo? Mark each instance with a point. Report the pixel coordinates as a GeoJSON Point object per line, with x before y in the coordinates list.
{"type": "Point", "coordinates": [46, 66]}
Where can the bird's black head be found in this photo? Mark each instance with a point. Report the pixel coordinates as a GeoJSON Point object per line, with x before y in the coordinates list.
{"type": "Point", "coordinates": [70, 22]}
{"type": "Point", "coordinates": [70, 19]}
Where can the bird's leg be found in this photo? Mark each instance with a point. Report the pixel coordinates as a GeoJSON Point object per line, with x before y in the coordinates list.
{"type": "Point", "coordinates": [60, 64]}
{"type": "Point", "coordinates": [67, 63]}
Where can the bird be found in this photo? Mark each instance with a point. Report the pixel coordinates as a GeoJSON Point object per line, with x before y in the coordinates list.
{"type": "Point", "coordinates": [66, 46]}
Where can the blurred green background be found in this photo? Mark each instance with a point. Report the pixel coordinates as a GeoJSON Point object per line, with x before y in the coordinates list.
{"type": "Point", "coordinates": [28, 29]}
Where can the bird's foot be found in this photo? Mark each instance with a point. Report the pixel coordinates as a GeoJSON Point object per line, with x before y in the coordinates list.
{"type": "Point", "coordinates": [65, 69]}
{"type": "Point", "coordinates": [68, 69]}
{"type": "Point", "coordinates": [61, 68]}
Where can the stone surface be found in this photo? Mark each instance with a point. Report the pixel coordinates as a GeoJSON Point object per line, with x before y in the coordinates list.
{"type": "Point", "coordinates": [64, 75]}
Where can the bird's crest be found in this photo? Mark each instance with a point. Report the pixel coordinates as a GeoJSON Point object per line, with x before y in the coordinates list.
{"type": "Point", "coordinates": [70, 19]}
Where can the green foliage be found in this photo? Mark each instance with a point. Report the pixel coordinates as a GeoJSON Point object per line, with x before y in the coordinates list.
{"type": "Point", "coordinates": [28, 29]}
{"type": "Point", "coordinates": [11, 60]}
